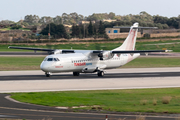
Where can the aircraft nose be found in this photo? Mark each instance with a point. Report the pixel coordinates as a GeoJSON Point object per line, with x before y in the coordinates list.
{"type": "Point", "coordinates": [44, 67]}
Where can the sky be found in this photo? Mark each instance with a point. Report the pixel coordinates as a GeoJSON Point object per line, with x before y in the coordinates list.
{"type": "Point", "coordinates": [16, 10]}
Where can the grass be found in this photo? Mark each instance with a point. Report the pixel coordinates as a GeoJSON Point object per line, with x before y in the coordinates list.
{"type": "Point", "coordinates": [9, 28]}
{"type": "Point", "coordinates": [150, 62]}
{"type": "Point", "coordinates": [108, 100]}
{"type": "Point", "coordinates": [20, 63]}
{"type": "Point", "coordinates": [104, 46]}
{"type": "Point", "coordinates": [33, 63]}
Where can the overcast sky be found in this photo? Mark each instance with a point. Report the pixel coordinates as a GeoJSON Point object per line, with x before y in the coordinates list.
{"type": "Point", "coordinates": [16, 9]}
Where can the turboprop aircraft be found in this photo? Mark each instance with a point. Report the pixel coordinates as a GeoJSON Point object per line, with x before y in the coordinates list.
{"type": "Point", "coordinates": [90, 61]}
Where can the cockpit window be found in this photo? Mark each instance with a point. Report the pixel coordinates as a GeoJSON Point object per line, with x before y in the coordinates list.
{"type": "Point", "coordinates": [55, 59]}
{"type": "Point", "coordinates": [45, 59]}
{"type": "Point", "coordinates": [50, 59]}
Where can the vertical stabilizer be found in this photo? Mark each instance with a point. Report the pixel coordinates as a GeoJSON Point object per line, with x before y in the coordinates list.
{"type": "Point", "coordinates": [130, 41]}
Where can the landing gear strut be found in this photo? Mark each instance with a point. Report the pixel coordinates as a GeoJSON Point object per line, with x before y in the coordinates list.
{"type": "Point", "coordinates": [47, 74]}
{"type": "Point", "coordinates": [76, 73]}
{"type": "Point", "coordinates": [100, 73]}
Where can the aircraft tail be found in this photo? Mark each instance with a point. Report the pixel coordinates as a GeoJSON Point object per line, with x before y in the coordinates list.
{"type": "Point", "coordinates": [130, 41]}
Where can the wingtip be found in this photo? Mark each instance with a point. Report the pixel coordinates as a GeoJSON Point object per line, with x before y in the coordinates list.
{"type": "Point", "coordinates": [168, 50]}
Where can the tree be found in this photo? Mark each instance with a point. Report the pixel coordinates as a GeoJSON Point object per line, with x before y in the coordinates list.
{"type": "Point", "coordinates": [57, 20]}
{"type": "Point", "coordinates": [174, 22]}
{"type": "Point", "coordinates": [73, 30]}
{"type": "Point", "coordinates": [31, 19]}
{"type": "Point", "coordinates": [57, 31]}
{"type": "Point", "coordinates": [160, 19]}
{"type": "Point", "coordinates": [112, 15]}
{"type": "Point", "coordinates": [78, 31]}
{"type": "Point", "coordinates": [90, 29]}
{"type": "Point", "coordinates": [61, 31]}
{"type": "Point", "coordinates": [94, 29]}
{"type": "Point", "coordinates": [101, 28]}
{"type": "Point", "coordinates": [46, 20]}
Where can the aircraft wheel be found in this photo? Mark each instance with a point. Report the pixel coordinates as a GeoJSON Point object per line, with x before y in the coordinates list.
{"type": "Point", "coordinates": [76, 73]}
{"type": "Point", "coordinates": [101, 73]}
{"type": "Point", "coordinates": [47, 75]}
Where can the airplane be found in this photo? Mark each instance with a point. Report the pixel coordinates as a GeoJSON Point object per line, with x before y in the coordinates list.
{"type": "Point", "coordinates": [91, 61]}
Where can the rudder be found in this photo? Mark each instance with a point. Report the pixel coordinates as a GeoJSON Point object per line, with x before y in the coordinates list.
{"type": "Point", "coordinates": [130, 41]}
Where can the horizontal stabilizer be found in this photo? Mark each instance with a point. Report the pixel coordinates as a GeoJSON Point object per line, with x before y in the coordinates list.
{"type": "Point", "coordinates": [135, 27]}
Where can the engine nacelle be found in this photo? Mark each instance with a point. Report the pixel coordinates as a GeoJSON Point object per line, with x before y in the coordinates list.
{"type": "Point", "coordinates": [58, 52]}
{"type": "Point", "coordinates": [89, 69]}
{"type": "Point", "coordinates": [105, 55]}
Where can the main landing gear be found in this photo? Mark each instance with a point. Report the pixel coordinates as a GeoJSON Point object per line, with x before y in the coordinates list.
{"type": "Point", "coordinates": [100, 73]}
{"type": "Point", "coordinates": [76, 73]}
{"type": "Point", "coordinates": [48, 74]}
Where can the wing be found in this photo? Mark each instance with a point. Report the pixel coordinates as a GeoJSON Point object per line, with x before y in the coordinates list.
{"type": "Point", "coordinates": [99, 52]}
{"type": "Point", "coordinates": [42, 49]}
{"type": "Point", "coordinates": [133, 51]}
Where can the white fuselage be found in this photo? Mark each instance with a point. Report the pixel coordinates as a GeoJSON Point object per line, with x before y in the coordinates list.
{"type": "Point", "coordinates": [79, 62]}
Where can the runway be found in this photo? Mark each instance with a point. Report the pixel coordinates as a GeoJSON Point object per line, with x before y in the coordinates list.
{"type": "Point", "coordinates": [35, 81]}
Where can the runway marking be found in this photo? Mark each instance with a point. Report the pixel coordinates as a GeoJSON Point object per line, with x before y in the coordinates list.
{"type": "Point", "coordinates": [5, 116]}
{"type": "Point", "coordinates": [122, 88]}
{"type": "Point", "coordinates": [49, 116]}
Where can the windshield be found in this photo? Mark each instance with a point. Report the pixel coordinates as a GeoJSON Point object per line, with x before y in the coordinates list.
{"type": "Point", "coordinates": [51, 59]}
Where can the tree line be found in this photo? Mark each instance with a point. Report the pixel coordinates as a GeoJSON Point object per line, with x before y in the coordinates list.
{"type": "Point", "coordinates": [97, 29]}
{"type": "Point", "coordinates": [143, 18]}
{"type": "Point", "coordinates": [77, 31]}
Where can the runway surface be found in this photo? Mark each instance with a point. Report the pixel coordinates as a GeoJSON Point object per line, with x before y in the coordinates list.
{"type": "Point", "coordinates": [35, 81]}
{"type": "Point", "coordinates": [31, 81]}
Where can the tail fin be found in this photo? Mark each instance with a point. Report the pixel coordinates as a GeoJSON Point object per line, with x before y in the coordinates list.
{"type": "Point", "coordinates": [130, 41]}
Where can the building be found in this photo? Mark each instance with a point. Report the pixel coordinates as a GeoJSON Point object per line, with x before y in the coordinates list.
{"type": "Point", "coordinates": [86, 22]}
{"type": "Point", "coordinates": [115, 33]}
{"type": "Point", "coordinates": [112, 30]}
{"type": "Point", "coordinates": [108, 20]}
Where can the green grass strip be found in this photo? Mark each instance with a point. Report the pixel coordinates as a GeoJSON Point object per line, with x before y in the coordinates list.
{"type": "Point", "coordinates": [20, 63]}
{"type": "Point", "coordinates": [135, 100]}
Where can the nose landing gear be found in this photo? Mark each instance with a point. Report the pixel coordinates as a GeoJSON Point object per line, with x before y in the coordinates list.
{"type": "Point", "coordinates": [48, 74]}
